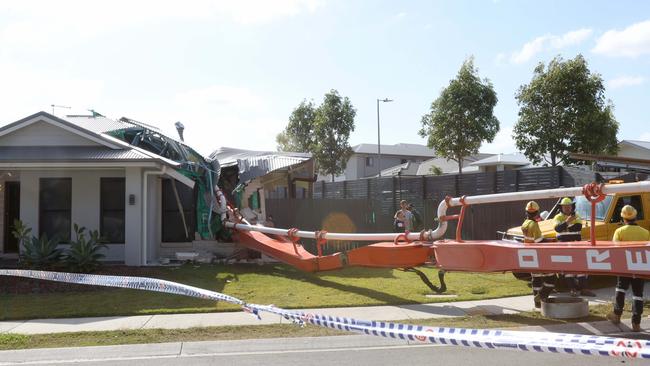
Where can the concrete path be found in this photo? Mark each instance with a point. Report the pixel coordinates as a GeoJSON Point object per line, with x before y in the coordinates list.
{"type": "Point", "coordinates": [510, 305]}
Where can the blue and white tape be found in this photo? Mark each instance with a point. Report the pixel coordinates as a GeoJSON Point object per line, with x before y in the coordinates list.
{"type": "Point", "coordinates": [478, 338]}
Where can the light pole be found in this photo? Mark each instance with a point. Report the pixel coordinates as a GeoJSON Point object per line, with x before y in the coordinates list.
{"type": "Point", "coordinates": [386, 100]}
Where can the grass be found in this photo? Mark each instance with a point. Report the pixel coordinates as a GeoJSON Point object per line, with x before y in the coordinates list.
{"type": "Point", "coordinates": [82, 339]}
{"type": "Point", "coordinates": [276, 284]}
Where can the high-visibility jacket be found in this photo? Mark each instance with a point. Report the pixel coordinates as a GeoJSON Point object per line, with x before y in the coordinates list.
{"type": "Point", "coordinates": [532, 233]}
{"type": "Point", "coordinates": [565, 231]}
{"type": "Point", "coordinates": [631, 232]}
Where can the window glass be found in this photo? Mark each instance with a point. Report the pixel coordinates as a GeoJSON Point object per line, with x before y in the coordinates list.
{"type": "Point", "coordinates": [112, 204]}
{"type": "Point", "coordinates": [173, 229]}
{"type": "Point", "coordinates": [55, 201]}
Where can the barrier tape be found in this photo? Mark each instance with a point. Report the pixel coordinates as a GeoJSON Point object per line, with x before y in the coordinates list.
{"type": "Point", "coordinates": [477, 338]}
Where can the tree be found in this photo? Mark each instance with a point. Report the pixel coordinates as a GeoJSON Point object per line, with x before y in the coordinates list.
{"type": "Point", "coordinates": [298, 135]}
{"type": "Point", "coordinates": [461, 118]}
{"type": "Point", "coordinates": [333, 123]}
{"type": "Point", "coordinates": [564, 110]}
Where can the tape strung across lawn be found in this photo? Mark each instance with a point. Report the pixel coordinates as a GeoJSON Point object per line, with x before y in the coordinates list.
{"type": "Point", "coordinates": [478, 338]}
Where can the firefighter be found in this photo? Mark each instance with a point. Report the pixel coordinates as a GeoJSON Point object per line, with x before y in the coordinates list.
{"type": "Point", "coordinates": [568, 226]}
{"type": "Point", "coordinates": [629, 232]}
{"type": "Point", "coordinates": [542, 283]}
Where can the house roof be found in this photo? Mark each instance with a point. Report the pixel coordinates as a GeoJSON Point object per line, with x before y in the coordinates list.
{"type": "Point", "coordinates": [408, 168]}
{"type": "Point", "coordinates": [253, 163]}
{"type": "Point", "coordinates": [68, 153]}
{"type": "Point", "coordinates": [503, 159]}
{"type": "Point", "coordinates": [642, 144]}
{"type": "Point", "coordinates": [447, 165]}
{"type": "Point", "coordinates": [397, 149]}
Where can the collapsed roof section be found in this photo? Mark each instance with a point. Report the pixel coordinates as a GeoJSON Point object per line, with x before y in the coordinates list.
{"type": "Point", "coordinates": [252, 164]}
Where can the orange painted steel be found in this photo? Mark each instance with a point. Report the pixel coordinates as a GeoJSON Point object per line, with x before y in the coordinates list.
{"type": "Point", "coordinates": [605, 257]}
{"type": "Point", "coordinates": [385, 254]}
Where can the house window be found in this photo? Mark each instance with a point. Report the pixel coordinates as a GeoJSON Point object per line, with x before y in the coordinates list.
{"type": "Point", "coordinates": [112, 199]}
{"type": "Point", "coordinates": [173, 228]}
{"type": "Point", "coordinates": [55, 208]}
{"type": "Point", "coordinates": [370, 161]}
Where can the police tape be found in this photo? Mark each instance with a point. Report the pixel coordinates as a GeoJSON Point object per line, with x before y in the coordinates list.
{"type": "Point", "coordinates": [478, 338]}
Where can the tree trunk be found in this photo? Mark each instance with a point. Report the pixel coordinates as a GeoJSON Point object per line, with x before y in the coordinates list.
{"type": "Point", "coordinates": [460, 166]}
{"type": "Point", "coordinates": [332, 177]}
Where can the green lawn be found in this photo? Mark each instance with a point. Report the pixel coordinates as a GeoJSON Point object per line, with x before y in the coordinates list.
{"type": "Point", "coordinates": [276, 284]}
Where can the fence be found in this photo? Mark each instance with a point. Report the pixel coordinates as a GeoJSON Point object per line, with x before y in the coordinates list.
{"type": "Point", "coordinates": [368, 205]}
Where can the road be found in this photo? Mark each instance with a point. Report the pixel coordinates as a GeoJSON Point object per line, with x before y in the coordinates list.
{"type": "Point", "coordinates": [339, 351]}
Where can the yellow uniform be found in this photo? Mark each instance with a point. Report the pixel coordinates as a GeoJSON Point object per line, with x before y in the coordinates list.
{"type": "Point", "coordinates": [631, 233]}
{"type": "Point", "coordinates": [532, 233]}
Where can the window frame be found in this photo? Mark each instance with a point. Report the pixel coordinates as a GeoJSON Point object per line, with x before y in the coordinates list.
{"type": "Point", "coordinates": [171, 207]}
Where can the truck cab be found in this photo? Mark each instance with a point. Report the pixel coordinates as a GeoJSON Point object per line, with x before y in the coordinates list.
{"type": "Point", "coordinates": [608, 216]}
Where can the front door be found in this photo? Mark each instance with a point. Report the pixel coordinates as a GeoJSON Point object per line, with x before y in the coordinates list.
{"type": "Point", "coordinates": [12, 212]}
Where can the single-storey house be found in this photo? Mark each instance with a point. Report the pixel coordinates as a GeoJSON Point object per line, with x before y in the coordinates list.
{"type": "Point", "coordinates": [58, 171]}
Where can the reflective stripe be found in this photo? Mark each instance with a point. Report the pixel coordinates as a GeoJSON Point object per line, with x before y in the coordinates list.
{"type": "Point", "coordinates": [569, 275]}
{"type": "Point", "coordinates": [620, 290]}
{"type": "Point", "coordinates": [637, 298]}
{"type": "Point", "coordinates": [548, 284]}
{"type": "Point", "coordinates": [537, 288]}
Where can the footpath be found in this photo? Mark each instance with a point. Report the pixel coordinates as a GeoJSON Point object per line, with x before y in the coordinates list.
{"type": "Point", "coordinates": [508, 305]}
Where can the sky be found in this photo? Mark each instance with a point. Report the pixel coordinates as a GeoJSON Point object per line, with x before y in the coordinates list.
{"type": "Point", "coordinates": [232, 71]}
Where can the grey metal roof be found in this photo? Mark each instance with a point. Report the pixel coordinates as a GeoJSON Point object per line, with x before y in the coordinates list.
{"type": "Point", "coordinates": [642, 144]}
{"type": "Point", "coordinates": [397, 149]}
{"type": "Point", "coordinates": [505, 159]}
{"type": "Point", "coordinates": [99, 124]}
{"type": "Point", "coordinates": [408, 168]}
{"type": "Point", "coordinates": [69, 154]}
{"type": "Point", "coordinates": [447, 165]}
{"type": "Point", "coordinates": [253, 164]}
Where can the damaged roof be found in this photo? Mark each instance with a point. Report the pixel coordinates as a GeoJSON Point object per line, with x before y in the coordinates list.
{"type": "Point", "coordinates": [253, 164]}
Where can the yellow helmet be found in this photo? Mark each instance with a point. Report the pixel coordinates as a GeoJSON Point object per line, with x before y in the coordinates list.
{"type": "Point", "coordinates": [532, 206]}
{"type": "Point", "coordinates": [566, 201]}
{"type": "Point", "coordinates": [628, 212]}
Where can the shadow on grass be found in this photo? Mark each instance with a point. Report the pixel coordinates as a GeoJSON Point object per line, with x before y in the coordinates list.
{"type": "Point", "coordinates": [363, 291]}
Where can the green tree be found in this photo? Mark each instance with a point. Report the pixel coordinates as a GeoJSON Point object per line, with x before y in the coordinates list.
{"type": "Point", "coordinates": [564, 110]}
{"type": "Point", "coordinates": [299, 133]}
{"type": "Point", "coordinates": [334, 121]}
{"type": "Point", "coordinates": [461, 118]}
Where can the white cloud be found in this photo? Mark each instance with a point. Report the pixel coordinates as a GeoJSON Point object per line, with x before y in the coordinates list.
{"type": "Point", "coordinates": [623, 81]}
{"type": "Point", "coordinates": [43, 22]}
{"type": "Point", "coordinates": [549, 42]}
{"type": "Point", "coordinates": [632, 41]}
{"type": "Point", "coordinates": [400, 15]}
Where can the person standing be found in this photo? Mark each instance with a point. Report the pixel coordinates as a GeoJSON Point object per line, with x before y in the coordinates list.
{"type": "Point", "coordinates": [403, 218]}
{"type": "Point", "coordinates": [542, 283]}
{"type": "Point", "coordinates": [568, 226]}
{"type": "Point", "coordinates": [629, 232]}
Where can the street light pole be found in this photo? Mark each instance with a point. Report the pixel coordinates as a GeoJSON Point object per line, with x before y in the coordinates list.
{"type": "Point", "coordinates": [385, 100]}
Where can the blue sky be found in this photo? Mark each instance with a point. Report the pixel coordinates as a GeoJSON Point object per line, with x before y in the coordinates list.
{"type": "Point", "coordinates": [233, 71]}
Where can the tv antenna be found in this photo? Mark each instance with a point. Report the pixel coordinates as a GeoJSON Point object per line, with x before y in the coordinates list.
{"type": "Point", "coordinates": [59, 106]}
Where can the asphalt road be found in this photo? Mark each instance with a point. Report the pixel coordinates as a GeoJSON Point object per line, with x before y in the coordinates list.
{"type": "Point", "coordinates": [339, 351]}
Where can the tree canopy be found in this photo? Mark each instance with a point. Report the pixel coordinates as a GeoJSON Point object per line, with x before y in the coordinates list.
{"type": "Point", "coordinates": [299, 133]}
{"type": "Point", "coordinates": [323, 131]}
{"type": "Point", "coordinates": [562, 110]}
{"type": "Point", "coordinates": [462, 117]}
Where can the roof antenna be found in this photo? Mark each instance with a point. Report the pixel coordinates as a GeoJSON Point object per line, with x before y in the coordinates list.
{"type": "Point", "coordinates": [58, 106]}
{"type": "Point", "coordinates": [95, 113]}
{"type": "Point", "coordinates": [180, 128]}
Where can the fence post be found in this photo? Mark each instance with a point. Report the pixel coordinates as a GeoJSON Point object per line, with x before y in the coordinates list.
{"type": "Point", "coordinates": [394, 193]}
{"type": "Point", "coordinates": [368, 188]}
{"type": "Point", "coordinates": [322, 193]}
{"type": "Point", "coordinates": [560, 172]}
{"type": "Point", "coordinates": [457, 185]}
{"type": "Point", "coordinates": [345, 189]}
{"type": "Point", "coordinates": [517, 180]}
{"type": "Point", "coordinates": [424, 188]}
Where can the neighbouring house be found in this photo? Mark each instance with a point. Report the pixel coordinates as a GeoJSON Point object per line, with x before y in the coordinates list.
{"type": "Point", "coordinates": [500, 162]}
{"type": "Point", "coordinates": [634, 149]}
{"type": "Point", "coordinates": [249, 177]}
{"type": "Point", "coordinates": [448, 166]}
{"type": "Point", "coordinates": [56, 171]}
{"type": "Point", "coordinates": [364, 161]}
{"type": "Point", "coordinates": [633, 156]}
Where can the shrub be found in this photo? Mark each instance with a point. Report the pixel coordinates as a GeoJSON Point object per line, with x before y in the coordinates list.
{"type": "Point", "coordinates": [84, 253]}
{"type": "Point", "coordinates": [41, 253]}
{"type": "Point", "coordinates": [21, 232]}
